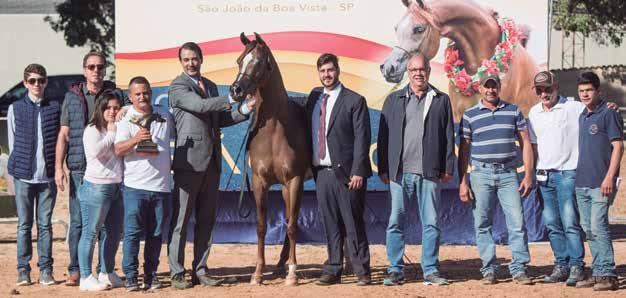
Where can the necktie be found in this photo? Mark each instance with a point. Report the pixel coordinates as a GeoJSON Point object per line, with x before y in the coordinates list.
{"type": "Point", "coordinates": [321, 132]}
{"type": "Point", "coordinates": [202, 88]}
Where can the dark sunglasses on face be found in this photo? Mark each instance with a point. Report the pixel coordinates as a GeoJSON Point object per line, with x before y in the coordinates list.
{"type": "Point", "coordinates": [41, 81]}
{"type": "Point", "coordinates": [95, 66]}
{"type": "Point", "coordinates": [539, 91]}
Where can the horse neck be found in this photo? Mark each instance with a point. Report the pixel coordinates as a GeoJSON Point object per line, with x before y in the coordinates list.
{"type": "Point", "coordinates": [274, 94]}
{"type": "Point", "coordinates": [473, 29]}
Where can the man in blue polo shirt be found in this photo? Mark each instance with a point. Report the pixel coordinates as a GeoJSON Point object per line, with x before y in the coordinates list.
{"type": "Point", "coordinates": [600, 147]}
{"type": "Point", "coordinates": [489, 131]}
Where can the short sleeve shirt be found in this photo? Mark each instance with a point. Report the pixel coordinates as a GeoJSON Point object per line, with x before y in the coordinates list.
{"type": "Point", "coordinates": [598, 128]}
{"type": "Point", "coordinates": [493, 133]}
{"type": "Point", "coordinates": [150, 173]}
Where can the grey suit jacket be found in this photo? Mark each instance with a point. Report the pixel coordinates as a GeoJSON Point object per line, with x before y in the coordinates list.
{"type": "Point", "coordinates": [198, 122]}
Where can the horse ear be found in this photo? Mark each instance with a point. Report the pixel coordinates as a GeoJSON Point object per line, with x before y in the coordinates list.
{"type": "Point", "coordinates": [406, 3]}
{"type": "Point", "coordinates": [421, 4]}
{"type": "Point", "coordinates": [244, 39]}
{"type": "Point", "coordinates": [258, 38]}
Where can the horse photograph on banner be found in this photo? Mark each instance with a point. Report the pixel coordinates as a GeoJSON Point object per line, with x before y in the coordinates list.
{"type": "Point", "coordinates": [480, 42]}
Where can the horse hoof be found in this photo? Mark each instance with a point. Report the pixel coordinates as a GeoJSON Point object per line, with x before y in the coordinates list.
{"type": "Point", "coordinates": [256, 279]}
{"type": "Point", "coordinates": [291, 280]}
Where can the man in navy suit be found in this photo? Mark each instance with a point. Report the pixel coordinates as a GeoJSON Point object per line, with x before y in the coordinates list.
{"type": "Point", "coordinates": [339, 123]}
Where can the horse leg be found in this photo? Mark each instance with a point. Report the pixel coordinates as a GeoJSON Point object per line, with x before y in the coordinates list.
{"type": "Point", "coordinates": [295, 194]}
{"type": "Point", "coordinates": [260, 196]}
{"type": "Point", "coordinates": [284, 253]}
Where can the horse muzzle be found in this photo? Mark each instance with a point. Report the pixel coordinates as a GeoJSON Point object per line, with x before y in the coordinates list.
{"type": "Point", "coordinates": [394, 67]}
{"type": "Point", "coordinates": [239, 90]}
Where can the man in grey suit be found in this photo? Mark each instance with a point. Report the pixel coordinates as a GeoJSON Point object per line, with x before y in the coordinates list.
{"type": "Point", "coordinates": [198, 113]}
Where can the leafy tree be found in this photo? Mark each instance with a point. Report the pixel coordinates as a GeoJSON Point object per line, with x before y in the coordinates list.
{"type": "Point", "coordinates": [603, 20]}
{"type": "Point", "coordinates": [86, 22]}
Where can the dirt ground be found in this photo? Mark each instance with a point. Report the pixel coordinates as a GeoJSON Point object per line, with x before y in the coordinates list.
{"type": "Point", "coordinates": [235, 262]}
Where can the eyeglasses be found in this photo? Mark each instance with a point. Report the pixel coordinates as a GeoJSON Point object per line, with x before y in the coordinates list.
{"type": "Point", "coordinates": [41, 81]}
{"type": "Point", "coordinates": [93, 67]}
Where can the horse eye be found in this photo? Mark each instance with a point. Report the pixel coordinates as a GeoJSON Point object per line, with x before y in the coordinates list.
{"type": "Point", "coordinates": [418, 29]}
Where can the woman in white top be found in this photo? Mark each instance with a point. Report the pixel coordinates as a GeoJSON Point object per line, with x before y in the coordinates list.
{"type": "Point", "coordinates": [100, 196]}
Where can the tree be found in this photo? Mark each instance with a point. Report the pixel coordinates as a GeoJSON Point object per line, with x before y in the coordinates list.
{"type": "Point", "coordinates": [603, 20]}
{"type": "Point", "coordinates": [86, 22]}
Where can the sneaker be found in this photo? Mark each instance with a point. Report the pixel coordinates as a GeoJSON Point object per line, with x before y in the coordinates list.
{"type": "Point", "coordinates": [576, 274]}
{"type": "Point", "coordinates": [92, 284]}
{"type": "Point", "coordinates": [23, 278]}
{"type": "Point", "coordinates": [206, 280]}
{"type": "Point", "coordinates": [151, 282]}
{"type": "Point", "coordinates": [606, 283]}
{"type": "Point", "coordinates": [179, 282]}
{"type": "Point", "coordinates": [489, 278]}
{"type": "Point", "coordinates": [364, 280]}
{"type": "Point", "coordinates": [111, 279]}
{"type": "Point", "coordinates": [435, 279]}
{"type": "Point", "coordinates": [46, 278]}
{"type": "Point", "coordinates": [559, 274]}
{"type": "Point", "coordinates": [586, 283]}
{"type": "Point", "coordinates": [394, 279]}
{"type": "Point", "coordinates": [73, 279]}
{"type": "Point", "coordinates": [522, 279]}
{"type": "Point", "coordinates": [131, 284]}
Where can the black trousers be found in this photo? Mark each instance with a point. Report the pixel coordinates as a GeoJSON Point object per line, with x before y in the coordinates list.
{"type": "Point", "coordinates": [342, 212]}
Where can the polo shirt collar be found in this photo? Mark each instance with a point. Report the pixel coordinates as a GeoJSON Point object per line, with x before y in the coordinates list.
{"type": "Point", "coordinates": [501, 104]}
{"type": "Point", "coordinates": [430, 92]}
{"type": "Point", "coordinates": [559, 105]}
{"type": "Point", "coordinates": [599, 108]}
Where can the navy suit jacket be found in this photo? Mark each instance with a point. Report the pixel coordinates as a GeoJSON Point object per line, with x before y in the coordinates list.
{"type": "Point", "coordinates": [348, 134]}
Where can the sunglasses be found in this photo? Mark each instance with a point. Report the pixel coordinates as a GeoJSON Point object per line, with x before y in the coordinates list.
{"type": "Point", "coordinates": [41, 81]}
{"type": "Point", "coordinates": [93, 67]}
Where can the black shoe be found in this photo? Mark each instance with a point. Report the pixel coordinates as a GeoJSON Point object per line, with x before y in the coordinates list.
{"type": "Point", "coordinates": [206, 280]}
{"type": "Point", "coordinates": [394, 279]}
{"type": "Point", "coordinates": [180, 283]}
{"type": "Point", "coordinates": [131, 284]}
{"type": "Point", "coordinates": [328, 279]}
{"type": "Point", "coordinates": [23, 278]}
{"type": "Point", "coordinates": [364, 280]}
{"type": "Point", "coordinates": [151, 282]}
{"type": "Point", "coordinates": [489, 278]}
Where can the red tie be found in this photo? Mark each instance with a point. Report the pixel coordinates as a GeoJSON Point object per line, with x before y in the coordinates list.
{"type": "Point", "coordinates": [321, 132]}
{"type": "Point", "coordinates": [201, 85]}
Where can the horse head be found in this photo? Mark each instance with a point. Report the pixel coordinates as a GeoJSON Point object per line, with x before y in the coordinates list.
{"type": "Point", "coordinates": [255, 67]}
{"type": "Point", "coordinates": [415, 32]}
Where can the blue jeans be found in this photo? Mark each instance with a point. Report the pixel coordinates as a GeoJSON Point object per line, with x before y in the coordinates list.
{"type": "Point", "coordinates": [560, 215]}
{"type": "Point", "coordinates": [594, 218]}
{"type": "Point", "coordinates": [40, 197]}
{"type": "Point", "coordinates": [427, 192]}
{"type": "Point", "coordinates": [144, 214]}
{"type": "Point", "coordinates": [489, 184]}
{"type": "Point", "coordinates": [101, 204]}
{"type": "Point", "coordinates": [76, 226]}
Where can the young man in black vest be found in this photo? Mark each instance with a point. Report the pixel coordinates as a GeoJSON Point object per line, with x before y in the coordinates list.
{"type": "Point", "coordinates": [33, 125]}
{"type": "Point", "coordinates": [77, 108]}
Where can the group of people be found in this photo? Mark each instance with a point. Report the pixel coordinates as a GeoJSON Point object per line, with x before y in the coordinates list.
{"type": "Point", "coordinates": [118, 157]}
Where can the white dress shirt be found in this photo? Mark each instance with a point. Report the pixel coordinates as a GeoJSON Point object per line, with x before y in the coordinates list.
{"type": "Point", "coordinates": [330, 103]}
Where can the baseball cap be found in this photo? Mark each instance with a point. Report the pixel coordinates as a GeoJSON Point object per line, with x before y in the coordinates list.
{"type": "Point", "coordinates": [490, 77]}
{"type": "Point", "coordinates": [544, 79]}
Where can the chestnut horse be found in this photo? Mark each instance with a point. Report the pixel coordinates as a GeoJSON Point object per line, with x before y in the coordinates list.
{"type": "Point", "coordinates": [475, 31]}
{"type": "Point", "coordinates": [280, 149]}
